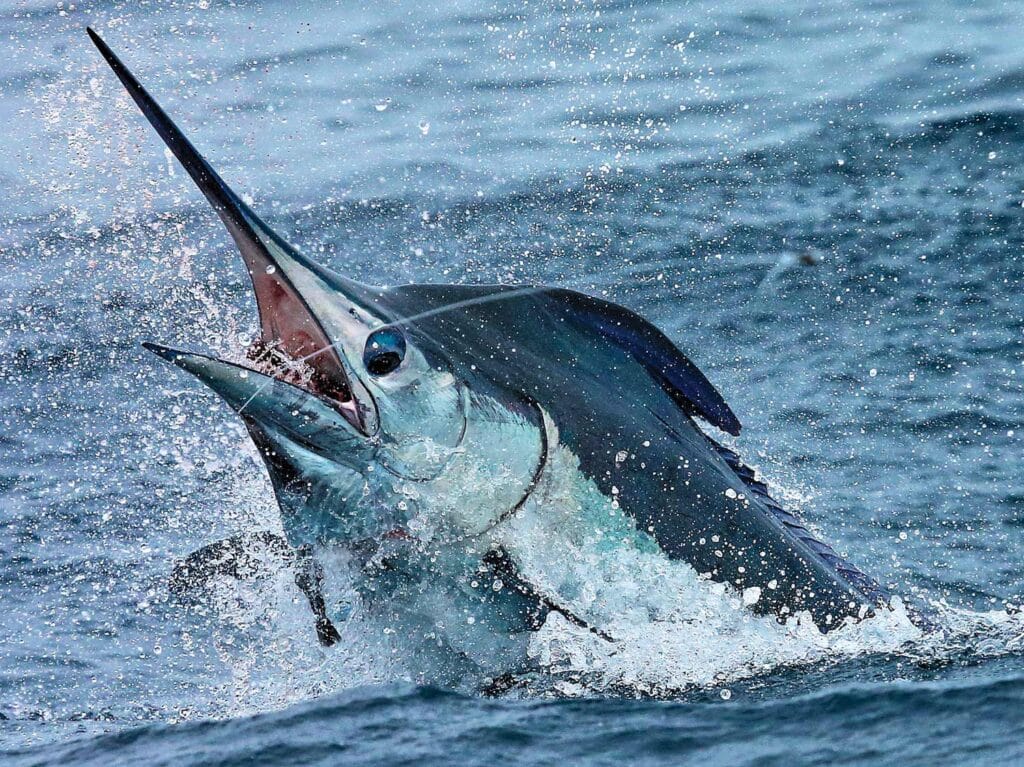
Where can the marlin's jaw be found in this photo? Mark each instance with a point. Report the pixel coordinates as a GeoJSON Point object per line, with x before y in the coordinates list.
{"type": "Point", "coordinates": [307, 321]}
{"type": "Point", "coordinates": [293, 346]}
{"type": "Point", "coordinates": [299, 302]}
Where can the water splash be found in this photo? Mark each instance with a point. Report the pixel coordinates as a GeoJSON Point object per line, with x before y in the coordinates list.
{"type": "Point", "coordinates": [673, 631]}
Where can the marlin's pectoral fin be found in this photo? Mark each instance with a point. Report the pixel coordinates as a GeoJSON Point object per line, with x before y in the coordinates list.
{"type": "Point", "coordinates": [309, 577]}
{"type": "Point", "coordinates": [248, 555]}
{"type": "Point", "coordinates": [502, 566]}
{"type": "Point", "coordinates": [241, 556]}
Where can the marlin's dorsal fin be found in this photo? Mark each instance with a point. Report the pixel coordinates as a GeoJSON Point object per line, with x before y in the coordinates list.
{"type": "Point", "coordinates": [689, 387]}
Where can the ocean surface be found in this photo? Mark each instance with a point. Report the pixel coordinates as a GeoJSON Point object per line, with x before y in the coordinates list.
{"type": "Point", "coordinates": [820, 202]}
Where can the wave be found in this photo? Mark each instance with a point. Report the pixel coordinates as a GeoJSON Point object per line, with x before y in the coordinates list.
{"type": "Point", "coordinates": [861, 722]}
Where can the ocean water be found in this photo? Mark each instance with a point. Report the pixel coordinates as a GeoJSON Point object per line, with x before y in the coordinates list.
{"type": "Point", "coordinates": [686, 160]}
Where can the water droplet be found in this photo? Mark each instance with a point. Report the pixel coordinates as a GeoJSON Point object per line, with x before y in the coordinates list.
{"type": "Point", "coordinates": [271, 269]}
{"type": "Point", "coordinates": [424, 127]}
{"type": "Point", "coordinates": [725, 693]}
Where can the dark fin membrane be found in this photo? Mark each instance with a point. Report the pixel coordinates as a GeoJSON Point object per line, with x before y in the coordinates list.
{"type": "Point", "coordinates": [862, 582]}
{"type": "Point", "coordinates": [245, 556]}
{"type": "Point", "coordinates": [501, 684]}
{"type": "Point", "coordinates": [662, 359]}
{"type": "Point", "coordinates": [309, 577]}
{"type": "Point", "coordinates": [242, 556]}
{"type": "Point", "coordinates": [502, 566]}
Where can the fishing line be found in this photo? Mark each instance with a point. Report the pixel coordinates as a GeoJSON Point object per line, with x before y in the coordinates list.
{"type": "Point", "coordinates": [444, 308]}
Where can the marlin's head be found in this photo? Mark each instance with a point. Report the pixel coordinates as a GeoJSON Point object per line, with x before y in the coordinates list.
{"type": "Point", "coordinates": [342, 402]}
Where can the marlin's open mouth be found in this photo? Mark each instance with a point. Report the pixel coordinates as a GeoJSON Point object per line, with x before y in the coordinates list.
{"type": "Point", "coordinates": [271, 360]}
{"type": "Point", "coordinates": [293, 347]}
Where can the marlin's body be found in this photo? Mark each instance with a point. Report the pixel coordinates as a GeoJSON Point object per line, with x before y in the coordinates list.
{"type": "Point", "coordinates": [444, 437]}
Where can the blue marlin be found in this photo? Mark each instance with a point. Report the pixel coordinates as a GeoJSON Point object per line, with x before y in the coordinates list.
{"type": "Point", "coordinates": [439, 434]}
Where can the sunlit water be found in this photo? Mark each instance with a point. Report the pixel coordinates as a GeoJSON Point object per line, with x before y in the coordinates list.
{"type": "Point", "coordinates": [685, 160]}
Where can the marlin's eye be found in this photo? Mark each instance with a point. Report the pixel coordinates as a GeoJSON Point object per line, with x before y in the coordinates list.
{"type": "Point", "coordinates": [384, 352]}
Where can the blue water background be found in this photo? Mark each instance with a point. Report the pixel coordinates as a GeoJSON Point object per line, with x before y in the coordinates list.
{"type": "Point", "coordinates": [678, 158]}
